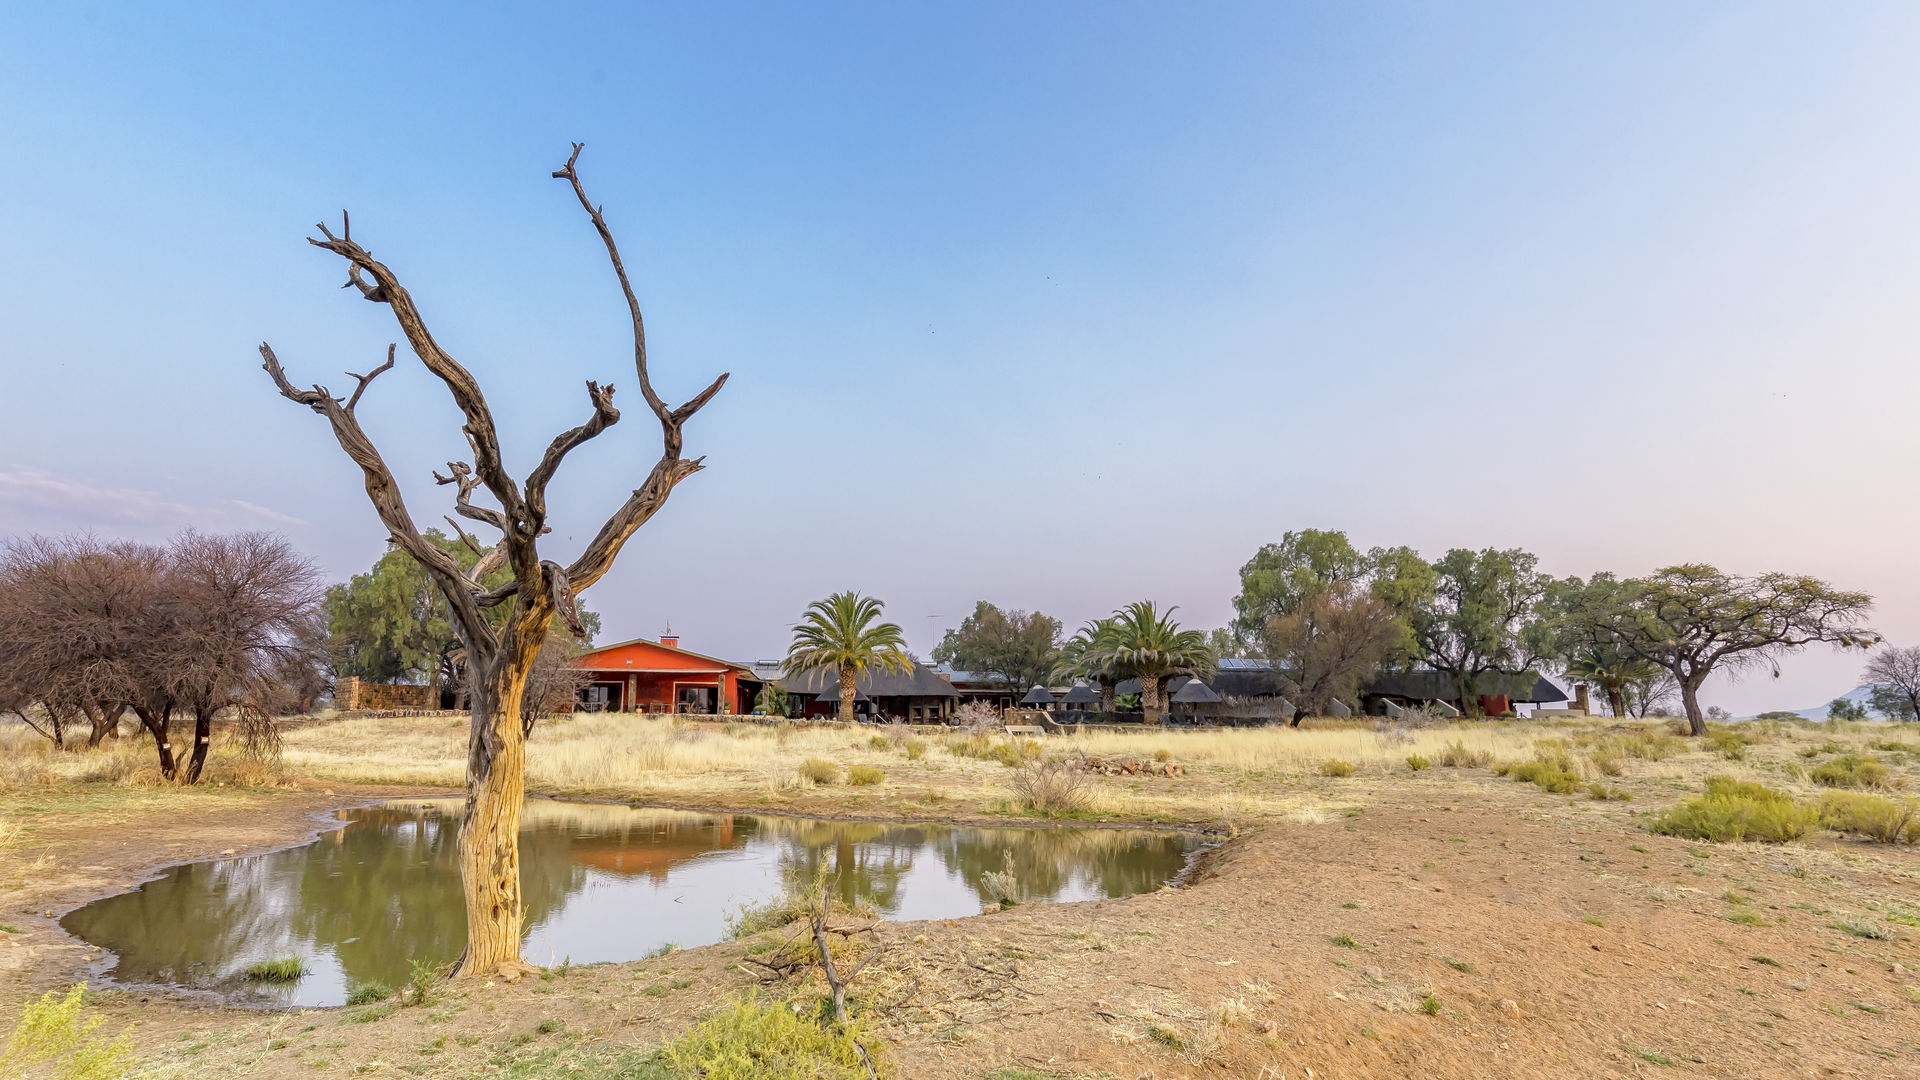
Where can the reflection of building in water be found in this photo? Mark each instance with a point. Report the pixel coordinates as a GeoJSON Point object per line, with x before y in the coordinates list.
{"type": "Point", "coordinates": [670, 846]}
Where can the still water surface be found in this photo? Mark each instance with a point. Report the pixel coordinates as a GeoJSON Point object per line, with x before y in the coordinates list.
{"type": "Point", "coordinates": [599, 882]}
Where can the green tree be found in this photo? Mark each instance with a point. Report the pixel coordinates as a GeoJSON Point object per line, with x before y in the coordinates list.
{"type": "Point", "coordinates": [843, 633]}
{"type": "Point", "coordinates": [1845, 709]}
{"type": "Point", "coordinates": [1589, 653]}
{"type": "Point", "coordinates": [1018, 649]}
{"type": "Point", "coordinates": [1693, 620]}
{"type": "Point", "coordinates": [1475, 618]}
{"type": "Point", "coordinates": [1281, 578]}
{"type": "Point", "coordinates": [1148, 645]}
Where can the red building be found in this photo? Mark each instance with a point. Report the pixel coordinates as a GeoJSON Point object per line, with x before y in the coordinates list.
{"type": "Point", "coordinates": [661, 677]}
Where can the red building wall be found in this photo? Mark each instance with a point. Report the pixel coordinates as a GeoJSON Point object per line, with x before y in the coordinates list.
{"type": "Point", "coordinates": [646, 673]}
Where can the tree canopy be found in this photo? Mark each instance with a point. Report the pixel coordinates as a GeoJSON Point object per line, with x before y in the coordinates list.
{"type": "Point", "coordinates": [1474, 617]}
{"type": "Point", "coordinates": [1018, 649]}
{"type": "Point", "coordinates": [1282, 578]}
{"type": "Point", "coordinates": [1693, 620]}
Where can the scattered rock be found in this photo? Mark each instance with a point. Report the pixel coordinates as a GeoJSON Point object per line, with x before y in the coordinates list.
{"type": "Point", "coordinates": [1510, 1009]}
{"type": "Point", "coordinates": [1373, 974]}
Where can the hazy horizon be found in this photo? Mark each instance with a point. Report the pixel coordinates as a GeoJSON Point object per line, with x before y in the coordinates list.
{"type": "Point", "coordinates": [1058, 307]}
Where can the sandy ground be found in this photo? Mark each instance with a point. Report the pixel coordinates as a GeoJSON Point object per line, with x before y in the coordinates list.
{"type": "Point", "coordinates": [1444, 924]}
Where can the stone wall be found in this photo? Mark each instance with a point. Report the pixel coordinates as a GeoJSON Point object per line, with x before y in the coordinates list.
{"type": "Point", "coordinates": [351, 694]}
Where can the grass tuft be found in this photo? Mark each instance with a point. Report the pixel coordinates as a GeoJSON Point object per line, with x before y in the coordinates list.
{"type": "Point", "coordinates": [283, 969]}
{"type": "Point", "coordinates": [866, 775]}
{"type": "Point", "coordinates": [1336, 767]}
{"type": "Point", "coordinates": [753, 1038]}
{"type": "Point", "coordinates": [1734, 810]}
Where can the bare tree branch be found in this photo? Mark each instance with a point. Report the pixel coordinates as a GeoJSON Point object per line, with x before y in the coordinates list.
{"type": "Point", "coordinates": [604, 416]}
{"type": "Point", "coordinates": [384, 493]}
{"type": "Point", "coordinates": [480, 428]}
{"type": "Point", "coordinates": [363, 380]}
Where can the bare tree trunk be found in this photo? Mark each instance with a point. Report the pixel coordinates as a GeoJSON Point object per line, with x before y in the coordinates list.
{"type": "Point", "coordinates": [202, 739]}
{"type": "Point", "coordinates": [1617, 701]}
{"type": "Point", "coordinates": [846, 695]}
{"type": "Point", "coordinates": [490, 832]}
{"type": "Point", "coordinates": [1469, 705]}
{"type": "Point", "coordinates": [1690, 697]}
{"type": "Point", "coordinates": [106, 723]}
{"type": "Point", "coordinates": [157, 721]}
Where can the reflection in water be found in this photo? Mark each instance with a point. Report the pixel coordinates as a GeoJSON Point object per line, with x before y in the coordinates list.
{"type": "Point", "coordinates": [600, 882]}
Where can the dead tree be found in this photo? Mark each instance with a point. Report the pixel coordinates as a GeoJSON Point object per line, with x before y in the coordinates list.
{"type": "Point", "coordinates": [500, 657]}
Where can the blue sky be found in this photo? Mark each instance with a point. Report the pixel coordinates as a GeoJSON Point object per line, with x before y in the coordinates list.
{"type": "Point", "coordinates": [1054, 305]}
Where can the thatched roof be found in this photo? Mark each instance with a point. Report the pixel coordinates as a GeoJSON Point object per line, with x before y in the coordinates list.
{"type": "Point", "coordinates": [1080, 695]}
{"type": "Point", "coordinates": [1039, 695]}
{"type": "Point", "coordinates": [824, 683]}
{"type": "Point", "coordinates": [1195, 693]}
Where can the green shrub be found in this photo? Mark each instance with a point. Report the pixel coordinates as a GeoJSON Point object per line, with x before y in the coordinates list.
{"type": "Point", "coordinates": [1851, 771]}
{"type": "Point", "coordinates": [1883, 819]}
{"type": "Point", "coordinates": [1606, 762]}
{"type": "Point", "coordinates": [866, 775]}
{"type": "Point", "coordinates": [915, 749]}
{"type": "Point", "coordinates": [421, 984]}
{"type": "Point", "coordinates": [1601, 791]}
{"type": "Point", "coordinates": [1430, 1005]}
{"type": "Point", "coordinates": [751, 1038]}
{"type": "Point", "coordinates": [1823, 748]}
{"type": "Point", "coordinates": [1163, 754]}
{"type": "Point", "coordinates": [1863, 928]}
{"type": "Point", "coordinates": [284, 969]}
{"type": "Point", "coordinates": [1457, 756]}
{"type": "Point", "coordinates": [879, 742]}
{"type": "Point", "coordinates": [751, 918]}
{"type": "Point", "coordinates": [1336, 767]}
{"type": "Point", "coordinates": [1732, 745]}
{"type": "Point", "coordinates": [1549, 776]}
{"type": "Point", "coordinates": [52, 1028]}
{"type": "Point", "coordinates": [1738, 810]}
{"type": "Point", "coordinates": [1416, 762]}
{"type": "Point", "coordinates": [819, 771]}
{"type": "Point", "coordinates": [368, 992]}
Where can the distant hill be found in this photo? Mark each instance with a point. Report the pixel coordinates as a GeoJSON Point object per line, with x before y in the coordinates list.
{"type": "Point", "coordinates": [1862, 694]}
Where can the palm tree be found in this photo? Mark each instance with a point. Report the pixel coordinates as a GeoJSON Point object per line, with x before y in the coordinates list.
{"type": "Point", "coordinates": [1150, 645]}
{"type": "Point", "coordinates": [1088, 655]}
{"type": "Point", "coordinates": [843, 633]}
{"type": "Point", "coordinates": [1612, 669]}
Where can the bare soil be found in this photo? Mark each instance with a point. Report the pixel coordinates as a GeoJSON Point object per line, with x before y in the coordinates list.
{"type": "Point", "coordinates": [1448, 924]}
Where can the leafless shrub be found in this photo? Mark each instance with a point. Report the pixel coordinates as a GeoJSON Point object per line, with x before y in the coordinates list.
{"type": "Point", "coordinates": [1055, 788]}
{"type": "Point", "coordinates": [977, 717]}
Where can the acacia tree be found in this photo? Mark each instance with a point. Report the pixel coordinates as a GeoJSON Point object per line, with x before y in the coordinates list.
{"type": "Point", "coordinates": [1894, 673]}
{"type": "Point", "coordinates": [1693, 620]}
{"type": "Point", "coordinates": [499, 655]}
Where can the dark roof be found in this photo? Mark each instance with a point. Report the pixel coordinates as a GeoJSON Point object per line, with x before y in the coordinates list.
{"type": "Point", "coordinates": [1080, 695]}
{"type": "Point", "coordinates": [1236, 683]}
{"type": "Point", "coordinates": [1039, 695]}
{"type": "Point", "coordinates": [1196, 693]}
{"type": "Point", "coordinates": [824, 683]}
{"type": "Point", "coordinates": [1438, 686]}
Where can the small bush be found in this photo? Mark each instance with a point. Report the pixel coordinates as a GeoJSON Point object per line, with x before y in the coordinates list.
{"type": "Point", "coordinates": [879, 742]}
{"type": "Point", "coordinates": [1430, 1005]}
{"type": "Point", "coordinates": [369, 992]}
{"type": "Point", "coordinates": [422, 983]}
{"type": "Point", "coordinates": [915, 749]}
{"type": "Point", "coordinates": [1163, 754]}
{"type": "Point", "coordinates": [1606, 762]}
{"type": "Point", "coordinates": [1851, 771]}
{"type": "Point", "coordinates": [1732, 745]}
{"type": "Point", "coordinates": [1603, 792]}
{"type": "Point", "coordinates": [1346, 941]}
{"type": "Point", "coordinates": [1002, 886]}
{"type": "Point", "coordinates": [1652, 746]}
{"type": "Point", "coordinates": [1824, 748]}
{"type": "Point", "coordinates": [819, 771]}
{"type": "Point", "coordinates": [1863, 928]}
{"type": "Point", "coordinates": [1457, 756]}
{"type": "Point", "coordinates": [749, 919]}
{"type": "Point", "coordinates": [1416, 762]}
{"type": "Point", "coordinates": [751, 1038]}
{"type": "Point", "coordinates": [1336, 767]}
{"type": "Point", "coordinates": [1883, 819]}
{"type": "Point", "coordinates": [1550, 777]}
{"type": "Point", "coordinates": [1736, 810]}
{"type": "Point", "coordinates": [866, 775]}
{"type": "Point", "coordinates": [52, 1027]}
{"type": "Point", "coordinates": [1054, 789]}
{"type": "Point", "coordinates": [284, 969]}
